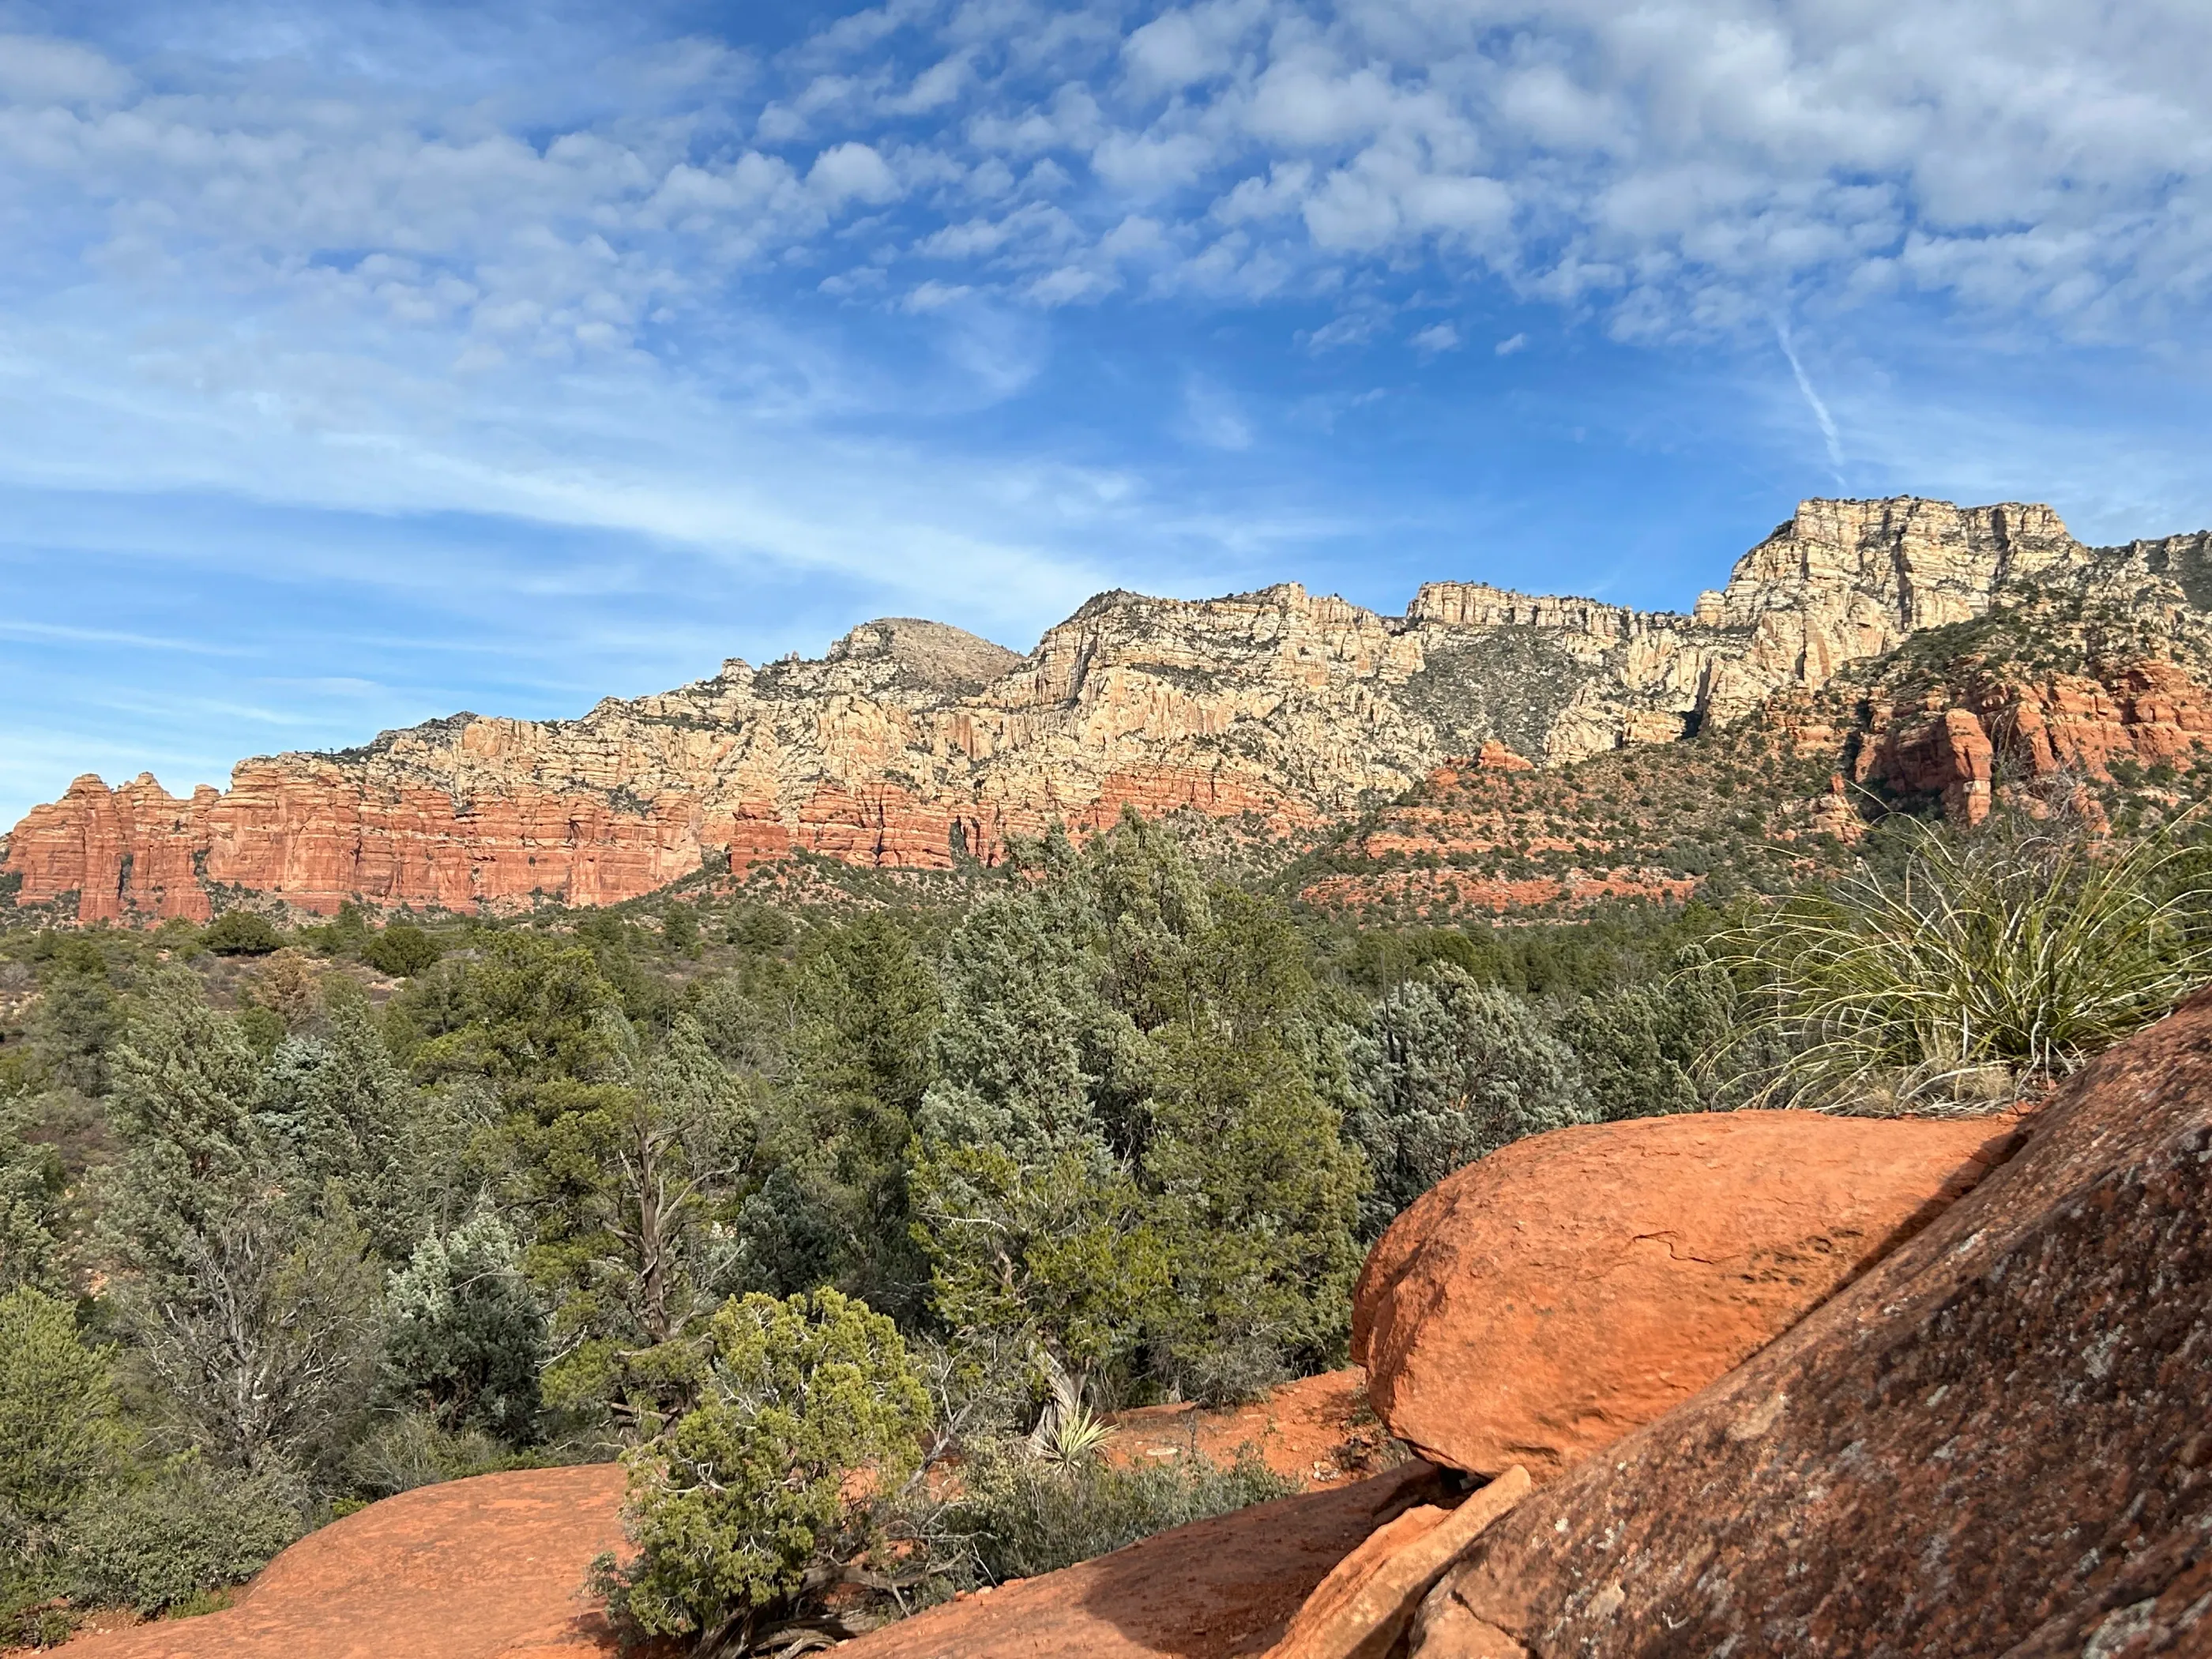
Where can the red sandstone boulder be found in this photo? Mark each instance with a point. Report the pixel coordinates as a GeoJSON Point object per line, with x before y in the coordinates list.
{"type": "Point", "coordinates": [1998, 1442]}
{"type": "Point", "coordinates": [1362, 1609]}
{"type": "Point", "coordinates": [1543, 1302]}
{"type": "Point", "coordinates": [489, 1568]}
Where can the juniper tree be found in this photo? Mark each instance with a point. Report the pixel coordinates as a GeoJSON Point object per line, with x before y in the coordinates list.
{"type": "Point", "coordinates": [1446, 1071]}
{"type": "Point", "coordinates": [243, 1279]}
{"type": "Point", "coordinates": [743, 1509]}
{"type": "Point", "coordinates": [466, 1338]}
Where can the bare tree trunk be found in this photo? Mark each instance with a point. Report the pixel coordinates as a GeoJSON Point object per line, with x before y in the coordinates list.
{"type": "Point", "coordinates": [651, 1247]}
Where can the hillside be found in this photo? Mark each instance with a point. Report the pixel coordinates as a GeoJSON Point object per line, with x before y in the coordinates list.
{"type": "Point", "coordinates": [2065, 695]}
{"type": "Point", "coordinates": [1844, 644]}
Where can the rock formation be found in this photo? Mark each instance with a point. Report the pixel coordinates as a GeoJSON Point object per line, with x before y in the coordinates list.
{"type": "Point", "coordinates": [1362, 1609]}
{"type": "Point", "coordinates": [913, 743]}
{"type": "Point", "coordinates": [1997, 1442]}
{"type": "Point", "coordinates": [1955, 741]}
{"type": "Point", "coordinates": [1539, 1303]}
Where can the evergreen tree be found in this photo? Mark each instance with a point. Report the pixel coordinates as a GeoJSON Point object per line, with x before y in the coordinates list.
{"type": "Point", "coordinates": [467, 1341]}
{"type": "Point", "coordinates": [865, 1005]}
{"type": "Point", "coordinates": [30, 1188]}
{"type": "Point", "coordinates": [244, 1281]}
{"type": "Point", "coordinates": [79, 1017]}
{"type": "Point", "coordinates": [336, 1107]}
{"type": "Point", "coordinates": [1448, 1071]}
{"type": "Point", "coordinates": [1257, 1197]}
{"type": "Point", "coordinates": [60, 1425]}
{"type": "Point", "coordinates": [1641, 1044]}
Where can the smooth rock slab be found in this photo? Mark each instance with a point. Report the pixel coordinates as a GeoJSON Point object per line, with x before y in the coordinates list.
{"type": "Point", "coordinates": [1541, 1302]}
{"type": "Point", "coordinates": [487, 1568]}
{"type": "Point", "coordinates": [1362, 1609]}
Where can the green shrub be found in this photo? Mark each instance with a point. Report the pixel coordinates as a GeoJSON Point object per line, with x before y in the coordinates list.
{"type": "Point", "coordinates": [242, 934]}
{"type": "Point", "coordinates": [1640, 1043]}
{"type": "Point", "coordinates": [1973, 966]}
{"type": "Point", "coordinates": [1019, 1516]}
{"type": "Point", "coordinates": [466, 1339]}
{"type": "Point", "coordinates": [810, 1410]}
{"type": "Point", "coordinates": [187, 1530]}
{"type": "Point", "coordinates": [411, 1449]}
{"type": "Point", "coordinates": [402, 951]}
{"type": "Point", "coordinates": [58, 1428]}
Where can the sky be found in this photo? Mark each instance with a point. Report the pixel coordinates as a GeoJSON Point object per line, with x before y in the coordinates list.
{"type": "Point", "coordinates": [362, 362]}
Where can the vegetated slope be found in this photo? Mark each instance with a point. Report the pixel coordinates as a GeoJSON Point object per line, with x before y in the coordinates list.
{"type": "Point", "coordinates": [912, 744]}
{"type": "Point", "coordinates": [2077, 694]}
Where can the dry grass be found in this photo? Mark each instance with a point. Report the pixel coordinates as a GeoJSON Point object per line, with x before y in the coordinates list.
{"type": "Point", "coordinates": [1993, 962]}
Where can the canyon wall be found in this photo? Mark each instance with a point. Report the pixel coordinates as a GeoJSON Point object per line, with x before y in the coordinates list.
{"type": "Point", "coordinates": [912, 744]}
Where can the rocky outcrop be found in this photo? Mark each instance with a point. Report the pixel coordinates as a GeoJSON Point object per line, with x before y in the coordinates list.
{"type": "Point", "coordinates": [1960, 742]}
{"type": "Point", "coordinates": [1362, 1610]}
{"type": "Point", "coordinates": [912, 744]}
{"type": "Point", "coordinates": [1541, 1302]}
{"type": "Point", "coordinates": [1997, 1442]}
{"type": "Point", "coordinates": [487, 1568]}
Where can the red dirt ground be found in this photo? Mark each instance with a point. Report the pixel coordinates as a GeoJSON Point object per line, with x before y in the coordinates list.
{"type": "Point", "coordinates": [490, 1568]}
{"type": "Point", "coordinates": [493, 1568]}
{"type": "Point", "coordinates": [1215, 1589]}
{"type": "Point", "coordinates": [1318, 1431]}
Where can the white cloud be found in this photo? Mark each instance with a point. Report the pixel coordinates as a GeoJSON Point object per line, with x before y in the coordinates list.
{"type": "Point", "coordinates": [935, 88]}
{"type": "Point", "coordinates": [1136, 237]}
{"type": "Point", "coordinates": [1145, 165]}
{"type": "Point", "coordinates": [1684, 170]}
{"type": "Point", "coordinates": [852, 171]}
{"type": "Point", "coordinates": [1069, 285]}
{"type": "Point", "coordinates": [42, 73]}
{"type": "Point", "coordinates": [1182, 47]}
{"type": "Point", "coordinates": [1352, 328]}
{"type": "Point", "coordinates": [1511, 344]}
{"type": "Point", "coordinates": [1213, 416]}
{"type": "Point", "coordinates": [1436, 339]}
{"type": "Point", "coordinates": [935, 297]}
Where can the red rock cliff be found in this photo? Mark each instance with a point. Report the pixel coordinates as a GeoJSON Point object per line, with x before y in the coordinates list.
{"type": "Point", "coordinates": [911, 743]}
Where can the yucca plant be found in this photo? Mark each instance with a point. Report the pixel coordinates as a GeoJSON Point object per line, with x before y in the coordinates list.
{"type": "Point", "coordinates": [1992, 961]}
{"type": "Point", "coordinates": [1068, 1433]}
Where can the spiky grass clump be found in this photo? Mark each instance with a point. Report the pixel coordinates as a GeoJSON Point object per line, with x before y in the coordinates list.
{"type": "Point", "coordinates": [1991, 961]}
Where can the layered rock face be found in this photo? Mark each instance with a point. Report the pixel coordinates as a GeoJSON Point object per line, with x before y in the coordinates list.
{"type": "Point", "coordinates": [913, 743]}
{"type": "Point", "coordinates": [1956, 744]}
{"type": "Point", "coordinates": [1998, 1441]}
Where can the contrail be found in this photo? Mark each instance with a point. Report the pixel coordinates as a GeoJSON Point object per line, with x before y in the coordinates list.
{"type": "Point", "coordinates": [1819, 409]}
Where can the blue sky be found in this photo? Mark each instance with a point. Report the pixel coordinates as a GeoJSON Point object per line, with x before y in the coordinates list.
{"type": "Point", "coordinates": [361, 362]}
